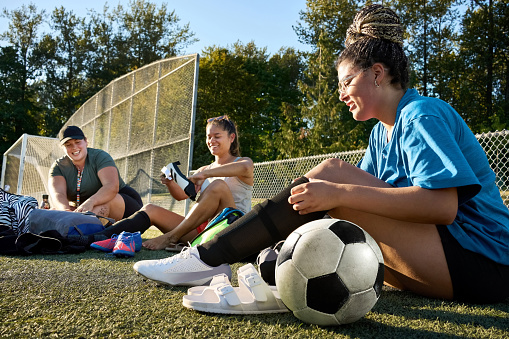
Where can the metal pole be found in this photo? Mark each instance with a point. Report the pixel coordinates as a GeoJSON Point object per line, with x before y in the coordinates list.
{"type": "Point", "coordinates": [193, 117]}
{"type": "Point", "coordinates": [22, 163]}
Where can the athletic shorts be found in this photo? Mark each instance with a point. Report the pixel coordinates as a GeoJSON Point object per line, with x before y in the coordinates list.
{"type": "Point", "coordinates": [475, 278]}
{"type": "Point", "coordinates": [132, 200]}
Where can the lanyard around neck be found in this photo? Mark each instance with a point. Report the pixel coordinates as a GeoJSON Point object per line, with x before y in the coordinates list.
{"type": "Point", "coordinates": [78, 185]}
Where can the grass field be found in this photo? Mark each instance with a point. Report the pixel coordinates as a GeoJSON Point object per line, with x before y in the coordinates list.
{"type": "Point", "coordinates": [93, 295]}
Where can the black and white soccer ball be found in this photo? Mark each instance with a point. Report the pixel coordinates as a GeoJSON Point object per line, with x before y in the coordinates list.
{"type": "Point", "coordinates": [329, 272]}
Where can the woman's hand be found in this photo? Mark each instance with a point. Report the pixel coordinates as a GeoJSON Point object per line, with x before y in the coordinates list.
{"type": "Point", "coordinates": [57, 190]}
{"type": "Point", "coordinates": [175, 190]}
{"type": "Point", "coordinates": [85, 207]}
{"type": "Point", "coordinates": [164, 180]}
{"type": "Point", "coordinates": [197, 179]}
{"type": "Point", "coordinates": [315, 195]}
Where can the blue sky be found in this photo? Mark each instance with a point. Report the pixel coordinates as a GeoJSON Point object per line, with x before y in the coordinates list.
{"type": "Point", "coordinates": [221, 22]}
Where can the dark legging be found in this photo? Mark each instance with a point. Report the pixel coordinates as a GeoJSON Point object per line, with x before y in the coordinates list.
{"type": "Point", "coordinates": [132, 200]}
{"type": "Point", "coordinates": [266, 224]}
{"type": "Point", "coordinates": [139, 221]}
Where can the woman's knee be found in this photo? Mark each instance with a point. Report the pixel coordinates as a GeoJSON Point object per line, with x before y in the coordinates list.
{"type": "Point", "coordinates": [217, 187]}
{"type": "Point", "coordinates": [149, 207]}
{"type": "Point", "coordinates": [328, 169]}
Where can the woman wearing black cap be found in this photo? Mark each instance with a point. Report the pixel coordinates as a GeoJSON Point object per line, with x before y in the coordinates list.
{"type": "Point", "coordinates": [87, 179]}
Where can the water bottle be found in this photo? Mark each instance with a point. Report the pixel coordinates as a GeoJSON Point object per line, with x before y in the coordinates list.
{"type": "Point", "coordinates": [45, 202]}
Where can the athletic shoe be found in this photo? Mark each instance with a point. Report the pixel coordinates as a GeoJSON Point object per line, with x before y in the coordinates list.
{"type": "Point", "coordinates": [105, 245]}
{"type": "Point", "coordinates": [180, 179]}
{"type": "Point", "coordinates": [183, 269]}
{"type": "Point", "coordinates": [127, 244]}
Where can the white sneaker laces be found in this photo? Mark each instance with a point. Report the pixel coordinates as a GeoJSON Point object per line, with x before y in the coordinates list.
{"type": "Point", "coordinates": [184, 254]}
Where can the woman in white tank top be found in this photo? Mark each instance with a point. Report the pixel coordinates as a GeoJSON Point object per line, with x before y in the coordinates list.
{"type": "Point", "coordinates": [227, 182]}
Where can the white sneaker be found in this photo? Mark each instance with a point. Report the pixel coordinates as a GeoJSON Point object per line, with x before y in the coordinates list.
{"type": "Point", "coordinates": [183, 269]}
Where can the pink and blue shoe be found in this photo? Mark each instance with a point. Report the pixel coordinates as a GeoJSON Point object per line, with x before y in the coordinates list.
{"type": "Point", "coordinates": [123, 245]}
{"type": "Point", "coordinates": [127, 244]}
{"type": "Point", "coordinates": [105, 245]}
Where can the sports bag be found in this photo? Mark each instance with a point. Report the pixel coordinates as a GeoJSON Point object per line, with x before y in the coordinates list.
{"type": "Point", "coordinates": [65, 222]}
{"type": "Point", "coordinates": [14, 210]}
{"type": "Point", "coordinates": [48, 242]}
{"type": "Point", "coordinates": [222, 220]}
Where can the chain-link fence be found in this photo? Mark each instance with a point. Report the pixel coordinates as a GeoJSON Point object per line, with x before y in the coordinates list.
{"type": "Point", "coordinates": [26, 164]}
{"type": "Point", "coordinates": [144, 120]}
{"type": "Point", "coordinates": [273, 176]}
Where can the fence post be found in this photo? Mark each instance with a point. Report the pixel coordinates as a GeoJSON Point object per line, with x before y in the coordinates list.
{"type": "Point", "coordinates": [22, 163]}
{"type": "Point", "coordinates": [191, 129]}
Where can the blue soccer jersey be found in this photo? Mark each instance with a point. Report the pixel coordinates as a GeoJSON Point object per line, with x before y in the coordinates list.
{"type": "Point", "coordinates": [432, 147]}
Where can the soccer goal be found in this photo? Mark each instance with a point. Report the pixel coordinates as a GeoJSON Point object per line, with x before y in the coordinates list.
{"type": "Point", "coordinates": [144, 120]}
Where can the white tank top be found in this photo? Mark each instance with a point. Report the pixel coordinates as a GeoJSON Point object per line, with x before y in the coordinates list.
{"type": "Point", "coordinates": [241, 192]}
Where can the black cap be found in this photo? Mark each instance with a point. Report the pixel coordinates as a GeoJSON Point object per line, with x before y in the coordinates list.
{"type": "Point", "coordinates": [70, 132]}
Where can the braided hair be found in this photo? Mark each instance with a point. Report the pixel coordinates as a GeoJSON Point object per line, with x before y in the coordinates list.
{"type": "Point", "coordinates": [229, 126]}
{"type": "Point", "coordinates": [375, 36]}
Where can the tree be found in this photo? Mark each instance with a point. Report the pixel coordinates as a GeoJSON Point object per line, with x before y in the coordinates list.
{"type": "Point", "coordinates": [330, 126]}
{"type": "Point", "coordinates": [17, 111]}
{"type": "Point", "coordinates": [104, 59]}
{"type": "Point", "coordinates": [431, 43]}
{"type": "Point", "coordinates": [18, 69]}
{"type": "Point", "coordinates": [250, 87]}
{"type": "Point", "coordinates": [485, 61]}
{"type": "Point", "coordinates": [149, 34]}
{"type": "Point", "coordinates": [284, 96]}
{"type": "Point", "coordinates": [65, 55]}
{"type": "Point", "coordinates": [225, 88]}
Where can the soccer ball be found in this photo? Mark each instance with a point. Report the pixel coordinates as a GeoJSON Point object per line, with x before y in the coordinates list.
{"type": "Point", "coordinates": [329, 272]}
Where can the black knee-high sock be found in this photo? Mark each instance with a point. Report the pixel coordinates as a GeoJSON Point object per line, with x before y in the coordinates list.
{"type": "Point", "coordinates": [139, 221]}
{"type": "Point", "coordinates": [267, 223]}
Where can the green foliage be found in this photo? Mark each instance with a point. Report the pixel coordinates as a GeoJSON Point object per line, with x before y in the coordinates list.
{"type": "Point", "coordinates": [329, 126]}
{"type": "Point", "coordinates": [485, 58]}
{"type": "Point", "coordinates": [286, 104]}
{"type": "Point", "coordinates": [149, 33]}
{"type": "Point", "coordinates": [79, 56]}
{"type": "Point", "coordinates": [18, 114]}
{"type": "Point", "coordinates": [431, 42]}
{"type": "Point", "coordinates": [19, 109]}
{"type": "Point", "coordinates": [250, 87]}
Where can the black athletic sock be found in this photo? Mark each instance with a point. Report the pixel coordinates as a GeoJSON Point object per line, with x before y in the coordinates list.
{"type": "Point", "coordinates": [139, 221]}
{"type": "Point", "coordinates": [266, 224]}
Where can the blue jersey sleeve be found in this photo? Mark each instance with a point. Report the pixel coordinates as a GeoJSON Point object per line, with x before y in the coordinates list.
{"type": "Point", "coordinates": [433, 158]}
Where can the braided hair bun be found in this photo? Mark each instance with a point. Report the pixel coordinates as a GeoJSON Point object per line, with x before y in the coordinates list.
{"type": "Point", "coordinates": [375, 22]}
{"type": "Point", "coordinates": [376, 36]}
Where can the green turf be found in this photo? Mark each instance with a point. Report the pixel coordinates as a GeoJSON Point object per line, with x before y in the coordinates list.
{"type": "Point", "coordinates": [93, 295]}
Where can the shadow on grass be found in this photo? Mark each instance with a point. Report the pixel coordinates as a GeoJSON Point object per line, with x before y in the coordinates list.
{"type": "Point", "coordinates": [410, 306]}
{"type": "Point", "coordinates": [406, 313]}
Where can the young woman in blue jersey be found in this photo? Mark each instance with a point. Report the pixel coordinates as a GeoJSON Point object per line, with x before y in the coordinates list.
{"type": "Point", "coordinates": [424, 190]}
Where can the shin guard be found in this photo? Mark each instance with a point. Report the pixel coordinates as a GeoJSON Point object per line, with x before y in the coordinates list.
{"type": "Point", "coordinates": [138, 221]}
{"type": "Point", "coordinates": [266, 224]}
{"type": "Point", "coordinates": [172, 171]}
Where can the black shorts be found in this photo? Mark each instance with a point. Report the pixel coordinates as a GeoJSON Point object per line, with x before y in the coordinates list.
{"type": "Point", "coordinates": [132, 200]}
{"type": "Point", "coordinates": [475, 278]}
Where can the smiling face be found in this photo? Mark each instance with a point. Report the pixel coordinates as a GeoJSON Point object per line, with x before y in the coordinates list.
{"type": "Point", "coordinates": [76, 150]}
{"type": "Point", "coordinates": [218, 140]}
{"type": "Point", "coordinates": [358, 91]}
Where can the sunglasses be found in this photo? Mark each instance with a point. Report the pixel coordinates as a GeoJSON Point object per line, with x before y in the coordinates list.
{"type": "Point", "coordinates": [219, 118]}
{"type": "Point", "coordinates": [223, 118]}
